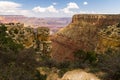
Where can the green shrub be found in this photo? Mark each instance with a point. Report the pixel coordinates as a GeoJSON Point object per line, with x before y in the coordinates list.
{"type": "Point", "coordinates": [38, 76]}
{"type": "Point", "coordinates": [110, 63]}
{"type": "Point", "coordinates": [83, 56]}
{"type": "Point", "coordinates": [6, 42]}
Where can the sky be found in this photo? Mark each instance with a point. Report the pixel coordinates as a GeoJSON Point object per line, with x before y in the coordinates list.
{"type": "Point", "coordinates": [58, 8]}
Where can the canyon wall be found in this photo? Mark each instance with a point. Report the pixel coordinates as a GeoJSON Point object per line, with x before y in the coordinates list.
{"type": "Point", "coordinates": [97, 19]}
{"type": "Point", "coordinates": [81, 33]}
{"type": "Point", "coordinates": [109, 39]}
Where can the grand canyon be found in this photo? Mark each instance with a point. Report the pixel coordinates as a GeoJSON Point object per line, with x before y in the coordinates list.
{"type": "Point", "coordinates": [85, 47]}
{"type": "Point", "coordinates": [53, 23]}
{"type": "Point", "coordinates": [59, 39]}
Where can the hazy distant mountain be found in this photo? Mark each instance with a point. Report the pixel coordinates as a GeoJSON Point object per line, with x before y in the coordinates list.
{"type": "Point", "coordinates": [54, 23]}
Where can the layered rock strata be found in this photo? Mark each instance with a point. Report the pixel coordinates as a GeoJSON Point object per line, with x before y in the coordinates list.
{"type": "Point", "coordinates": [81, 33]}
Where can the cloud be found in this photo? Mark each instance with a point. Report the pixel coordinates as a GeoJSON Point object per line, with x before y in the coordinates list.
{"type": "Point", "coordinates": [12, 8]}
{"type": "Point", "coordinates": [50, 8]}
{"type": "Point", "coordinates": [39, 9]}
{"type": "Point", "coordinates": [51, 11]}
{"type": "Point", "coordinates": [54, 3]}
{"type": "Point", "coordinates": [70, 6]}
{"type": "Point", "coordinates": [85, 3]}
{"type": "Point", "coordinates": [7, 6]}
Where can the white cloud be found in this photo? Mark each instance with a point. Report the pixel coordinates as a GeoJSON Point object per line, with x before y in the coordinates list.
{"type": "Point", "coordinates": [85, 3]}
{"type": "Point", "coordinates": [12, 8]}
{"type": "Point", "coordinates": [52, 9]}
{"type": "Point", "coordinates": [70, 6]}
{"type": "Point", "coordinates": [45, 9]}
{"type": "Point", "coordinates": [7, 6]}
{"type": "Point", "coordinates": [39, 9]}
{"type": "Point", "coordinates": [67, 10]}
{"type": "Point", "coordinates": [54, 3]}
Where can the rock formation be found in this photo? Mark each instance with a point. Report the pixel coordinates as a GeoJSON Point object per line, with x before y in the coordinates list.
{"type": "Point", "coordinates": [29, 37]}
{"type": "Point", "coordinates": [81, 33]}
{"type": "Point", "coordinates": [79, 75]}
{"type": "Point", "coordinates": [109, 38]}
{"type": "Point", "coordinates": [76, 74]}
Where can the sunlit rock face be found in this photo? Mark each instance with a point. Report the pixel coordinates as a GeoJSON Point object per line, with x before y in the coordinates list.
{"type": "Point", "coordinates": [109, 38]}
{"type": "Point", "coordinates": [43, 41]}
{"type": "Point", "coordinates": [96, 19]}
{"type": "Point", "coordinates": [79, 75]}
{"type": "Point", "coordinates": [81, 33]}
{"type": "Point", "coordinates": [30, 38]}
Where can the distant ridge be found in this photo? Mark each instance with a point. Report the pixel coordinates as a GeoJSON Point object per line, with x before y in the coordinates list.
{"type": "Point", "coordinates": [53, 23]}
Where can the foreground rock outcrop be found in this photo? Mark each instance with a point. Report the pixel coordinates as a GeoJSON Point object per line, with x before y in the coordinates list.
{"type": "Point", "coordinates": [79, 75]}
{"type": "Point", "coordinates": [81, 33]}
{"type": "Point", "coordinates": [29, 37]}
{"type": "Point", "coordinates": [76, 74]}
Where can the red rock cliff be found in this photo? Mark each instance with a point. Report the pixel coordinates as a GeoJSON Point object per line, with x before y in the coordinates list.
{"type": "Point", "coordinates": [81, 33]}
{"type": "Point", "coordinates": [96, 19]}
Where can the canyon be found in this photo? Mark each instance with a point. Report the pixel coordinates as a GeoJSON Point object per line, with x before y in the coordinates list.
{"type": "Point", "coordinates": [86, 32]}
{"type": "Point", "coordinates": [53, 55]}
{"type": "Point", "coordinates": [83, 34]}
{"type": "Point", "coordinates": [54, 23]}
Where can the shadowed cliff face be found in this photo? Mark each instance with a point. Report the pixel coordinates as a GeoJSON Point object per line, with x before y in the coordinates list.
{"type": "Point", "coordinates": [81, 33]}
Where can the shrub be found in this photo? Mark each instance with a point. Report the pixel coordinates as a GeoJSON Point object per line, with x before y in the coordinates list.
{"type": "Point", "coordinates": [38, 76]}
{"type": "Point", "coordinates": [20, 66]}
{"type": "Point", "coordinates": [83, 56]}
{"type": "Point", "coordinates": [110, 63]}
{"type": "Point", "coordinates": [6, 42]}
